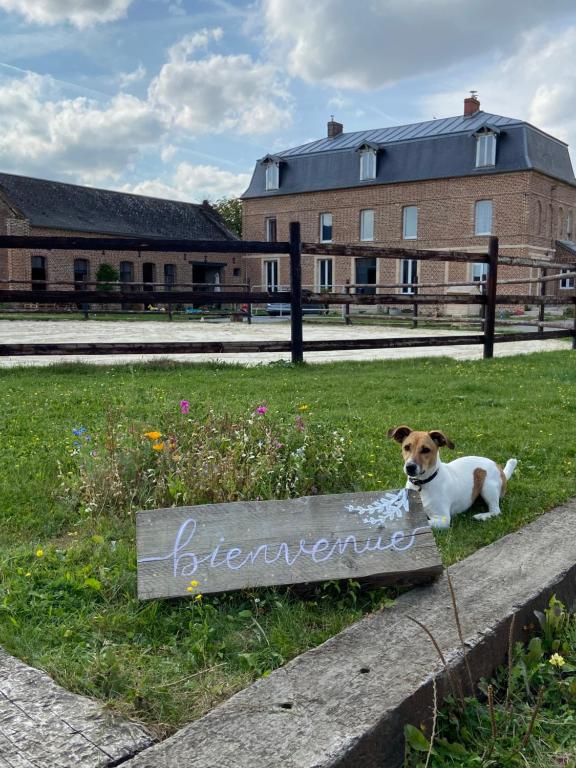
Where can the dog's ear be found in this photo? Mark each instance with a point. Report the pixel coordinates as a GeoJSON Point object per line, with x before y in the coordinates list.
{"type": "Point", "coordinates": [399, 433]}
{"type": "Point", "coordinates": [440, 439]}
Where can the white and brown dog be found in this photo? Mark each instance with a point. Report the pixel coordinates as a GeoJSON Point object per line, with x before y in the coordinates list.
{"type": "Point", "coordinates": [448, 489]}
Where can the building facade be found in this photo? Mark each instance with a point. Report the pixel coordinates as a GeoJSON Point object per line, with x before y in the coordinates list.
{"type": "Point", "coordinates": [444, 185]}
{"type": "Point", "coordinates": [49, 208]}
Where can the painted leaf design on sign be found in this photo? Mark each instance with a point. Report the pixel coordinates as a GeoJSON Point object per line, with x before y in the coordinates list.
{"type": "Point", "coordinates": [386, 509]}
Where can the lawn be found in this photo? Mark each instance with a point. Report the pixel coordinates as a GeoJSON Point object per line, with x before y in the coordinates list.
{"type": "Point", "coordinates": [67, 577]}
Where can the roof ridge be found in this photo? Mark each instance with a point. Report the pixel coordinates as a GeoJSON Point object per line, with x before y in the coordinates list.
{"type": "Point", "coordinates": [98, 189]}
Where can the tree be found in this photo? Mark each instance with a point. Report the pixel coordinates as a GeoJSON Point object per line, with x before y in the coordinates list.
{"type": "Point", "coordinates": [106, 275]}
{"type": "Point", "coordinates": [230, 209]}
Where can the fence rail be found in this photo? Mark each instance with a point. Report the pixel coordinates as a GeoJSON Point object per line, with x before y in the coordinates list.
{"type": "Point", "coordinates": [240, 293]}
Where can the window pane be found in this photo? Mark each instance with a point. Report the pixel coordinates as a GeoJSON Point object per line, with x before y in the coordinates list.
{"type": "Point", "coordinates": [169, 274]}
{"type": "Point", "coordinates": [325, 281]}
{"type": "Point", "coordinates": [367, 225]}
{"type": "Point", "coordinates": [479, 272]}
{"type": "Point", "coordinates": [408, 274]}
{"type": "Point", "coordinates": [325, 227]}
{"type": "Point", "coordinates": [410, 226]}
{"type": "Point", "coordinates": [367, 164]}
{"type": "Point", "coordinates": [271, 230]}
{"type": "Point", "coordinates": [126, 272]}
{"type": "Point", "coordinates": [483, 218]}
{"type": "Point", "coordinates": [365, 275]}
{"type": "Point", "coordinates": [271, 275]}
{"type": "Point", "coordinates": [485, 149]}
{"type": "Point", "coordinates": [272, 176]}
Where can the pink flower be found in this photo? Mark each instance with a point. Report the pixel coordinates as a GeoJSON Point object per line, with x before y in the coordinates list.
{"type": "Point", "coordinates": [184, 406]}
{"type": "Point", "coordinates": [299, 423]}
{"type": "Point", "coordinates": [261, 409]}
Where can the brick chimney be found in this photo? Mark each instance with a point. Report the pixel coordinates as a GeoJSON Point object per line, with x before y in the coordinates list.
{"type": "Point", "coordinates": [471, 105]}
{"type": "Point", "coordinates": [334, 128]}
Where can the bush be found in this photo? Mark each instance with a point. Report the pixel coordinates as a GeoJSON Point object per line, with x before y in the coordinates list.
{"type": "Point", "coordinates": [208, 459]}
{"type": "Point", "coordinates": [106, 275]}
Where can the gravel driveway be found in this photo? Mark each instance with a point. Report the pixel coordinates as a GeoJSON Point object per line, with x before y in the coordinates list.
{"type": "Point", "coordinates": [60, 331]}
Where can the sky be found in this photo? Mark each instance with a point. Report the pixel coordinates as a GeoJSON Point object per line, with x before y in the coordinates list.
{"type": "Point", "coordinates": [179, 98]}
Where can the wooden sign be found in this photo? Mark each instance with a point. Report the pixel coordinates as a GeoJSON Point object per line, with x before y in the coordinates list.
{"type": "Point", "coordinates": [383, 537]}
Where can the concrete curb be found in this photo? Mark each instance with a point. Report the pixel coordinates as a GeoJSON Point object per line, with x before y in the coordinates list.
{"type": "Point", "coordinates": [344, 704]}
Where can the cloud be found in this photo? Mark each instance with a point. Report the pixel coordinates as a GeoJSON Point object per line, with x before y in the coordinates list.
{"type": "Point", "coordinates": [219, 93]}
{"type": "Point", "coordinates": [80, 13]}
{"type": "Point", "coordinates": [41, 133]}
{"type": "Point", "coordinates": [378, 42]}
{"type": "Point", "coordinates": [193, 183]}
{"type": "Point", "coordinates": [537, 83]}
{"type": "Point", "coordinates": [126, 79]}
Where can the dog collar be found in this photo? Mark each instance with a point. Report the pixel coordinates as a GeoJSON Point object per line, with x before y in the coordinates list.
{"type": "Point", "coordinates": [420, 483]}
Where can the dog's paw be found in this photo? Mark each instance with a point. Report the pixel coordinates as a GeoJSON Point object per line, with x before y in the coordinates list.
{"type": "Point", "coordinates": [439, 521]}
{"type": "Point", "coordinates": [484, 516]}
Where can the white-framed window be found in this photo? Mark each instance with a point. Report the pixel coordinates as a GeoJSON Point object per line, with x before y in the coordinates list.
{"type": "Point", "coordinates": [567, 283]}
{"type": "Point", "coordinates": [367, 225]}
{"type": "Point", "coordinates": [271, 229]}
{"type": "Point", "coordinates": [325, 227]}
{"type": "Point", "coordinates": [271, 275]}
{"type": "Point", "coordinates": [483, 217]}
{"type": "Point", "coordinates": [272, 175]}
{"type": "Point", "coordinates": [367, 164]}
{"type": "Point", "coordinates": [479, 272]}
{"type": "Point", "coordinates": [485, 149]}
{"type": "Point", "coordinates": [410, 222]}
{"type": "Point", "coordinates": [408, 274]}
{"type": "Point", "coordinates": [324, 275]}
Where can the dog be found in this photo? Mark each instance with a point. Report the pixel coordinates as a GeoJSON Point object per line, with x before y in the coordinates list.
{"type": "Point", "coordinates": [448, 489]}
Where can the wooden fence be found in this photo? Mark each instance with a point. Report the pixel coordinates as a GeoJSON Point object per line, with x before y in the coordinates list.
{"type": "Point", "coordinates": [296, 296]}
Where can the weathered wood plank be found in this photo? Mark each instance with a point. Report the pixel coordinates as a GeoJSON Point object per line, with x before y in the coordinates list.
{"type": "Point", "coordinates": [230, 347]}
{"type": "Point", "coordinates": [141, 297]}
{"type": "Point", "coordinates": [381, 536]}
{"type": "Point", "coordinates": [157, 245]}
{"type": "Point", "coordinates": [367, 251]}
{"type": "Point", "coordinates": [45, 726]}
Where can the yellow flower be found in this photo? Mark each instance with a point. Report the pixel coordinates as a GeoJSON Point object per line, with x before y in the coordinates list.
{"type": "Point", "coordinates": [189, 589]}
{"type": "Point", "coordinates": [556, 660]}
{"type": "Point", "coordinates": [303, 407]}
{"type": "Point", "coordinates": [198, 598]}
{"type": "Point", "coordinates": [28, 574]}
{"type": "Point", "coordinates": [194, 583]}
{"type": "Point", "coordinates": [39, 553]}
{"type": "Point", "coordinates": [153, 435]}
{"type": "Point", "coordinates": [158, 447]}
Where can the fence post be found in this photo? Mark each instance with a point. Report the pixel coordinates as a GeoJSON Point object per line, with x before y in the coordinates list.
{"type": "Point", "coordinates": [491, 288]}
{"type": "Point", "coordinates": [574, 324]}
{"type": "Point", "coordinates": [296, 293]}
{"type": "Point", "coordinates": [415, 310]}
{"type": "Point", "coordinates": [543, 273]}
{"type": "Point", "coordinates": [346, 307]}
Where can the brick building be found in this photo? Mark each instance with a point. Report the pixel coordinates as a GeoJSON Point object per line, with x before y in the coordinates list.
{"type": "Point", "coordinates": [444, 184]}
{"type": "Point", "coordinates": [40, 207]}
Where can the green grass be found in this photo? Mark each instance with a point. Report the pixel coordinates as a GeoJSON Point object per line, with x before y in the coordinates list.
{"type": "Point", "coordinates": [73, 610]}
{"type": "Point", "coordinates": [524, 716]}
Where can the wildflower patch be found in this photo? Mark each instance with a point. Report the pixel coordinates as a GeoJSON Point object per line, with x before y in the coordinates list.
{"type": "Point", "coordinates": [381, 537]}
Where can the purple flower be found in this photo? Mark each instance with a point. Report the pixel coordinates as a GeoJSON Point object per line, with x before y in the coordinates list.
{"type": "Point", "coordinates": [299, 423]}
{"type": "Point", "coordinates": [261, 409]}
{"type": "Point", "coordinates": [184, 406]}
{"type": "Point", "coordinates": [79, 432]}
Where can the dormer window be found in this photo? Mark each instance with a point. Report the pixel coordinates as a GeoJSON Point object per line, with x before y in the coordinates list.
{"type": "Point", "coordinates": [272, 171]}
{"type": "Point", "coordinates": [367, 164]}
{"type": "Point", "coordinates": [273, 176]}
{"type": "Point", "coordinates": [367, 152]}
{"type": "Point", "coordinates": [485, 148]}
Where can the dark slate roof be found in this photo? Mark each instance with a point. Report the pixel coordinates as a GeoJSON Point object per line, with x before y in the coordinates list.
{"type": "Point", "coordinates": [56, 205]}
{"type": "Point", "coordinates": [568, 245]}
{"type": "Point", "coordinates": [434, 149]}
